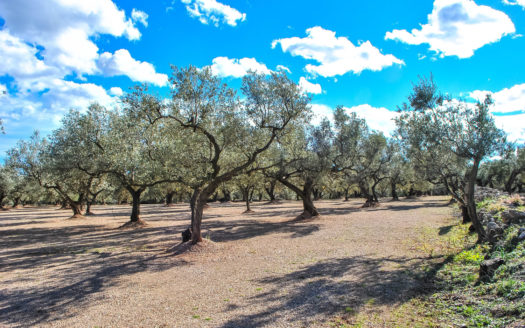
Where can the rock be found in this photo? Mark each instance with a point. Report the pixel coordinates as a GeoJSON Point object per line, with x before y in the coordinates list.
{"type": "Point", "coordinates": [186, 235]}
{"type": "Point", "coordinates": [521, 234]}
{"type": "Point", "coordinates": [485, 217]}
{"type": "Point", "coordinates": [494, 232]}
{"type": "Point", "coordinates": [513, 217]}
{"type": "Point", "coordinates": [488, 267]}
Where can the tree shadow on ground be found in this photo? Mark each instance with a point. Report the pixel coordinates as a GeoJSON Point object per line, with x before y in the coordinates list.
{"type": "Point", "coordinates": [220, 231]}
{"type": "Point", "coordinates": [328, 288]}
{"type": "Point", "coordinates": [84, 261]}
{"type": "Point", "coordinates": [406, 207]}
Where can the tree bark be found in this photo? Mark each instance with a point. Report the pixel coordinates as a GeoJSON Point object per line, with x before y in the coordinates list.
{"type": "Point", "coordinates": [347, 196]}
{"type": "Point", "coordinates": [201, 199]}
{"type": "Point", "coordinates": [271, 190]}
{"type": "Point", "coordinates": [510, 181]}
{"type": "Point", "coordinates": [169, 198]}
{"type": "Point", "coordinates": [76, 207]}
{"type": "Point", "coordinates": [471, 203]}
{"type": "Point", "coordinates": [135, 210]}
{"type": "Point", "coordinates": [394, 191]}
{"type": "Point", "coordinates": [464, 214]}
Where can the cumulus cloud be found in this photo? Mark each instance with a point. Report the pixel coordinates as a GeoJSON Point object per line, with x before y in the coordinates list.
{"type": "Point", "coordinates": [224, 66]}
{"type": "Point", "coordinates": [57, 97]}
{"type": "Point", "coordinates": [43, 49]}
{"type": "Point", "coordinates": [515, 2]}
{"type": "Point", "coordinates": [321, 112]}
{"type": "Point", "coordinates": [116, 91]}
{"type": "Point", "coordinates": [139, 16]}
{"type": "Point", "coordinates": [121, 63]}
{"type": "Point", "coordinates": [457, 28]}
{"type": "Point", "coordinates": [335, 55]}
{"type": "Point", "coordinates": [19, 59]}
{"type": "Point", "coordinates": [64, 29]}
{"type": "Point", "coordinates": [513, 126]}
{"type": "Point", "coordinates": [214, 12]}
{"type": "Point", "coordinates": [309, 87]}
{"type": "Point", "coordinates": [377, 118]}
{"type": "Point", "coordinates": [507, 100]}
{"type": "Point", "coordinates": [284, 69]}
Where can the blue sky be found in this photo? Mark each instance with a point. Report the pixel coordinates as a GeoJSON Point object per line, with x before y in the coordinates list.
{"type": "Point", "coordinates": [364, 55]}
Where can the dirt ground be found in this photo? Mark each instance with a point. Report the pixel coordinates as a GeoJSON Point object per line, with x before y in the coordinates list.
{"type": "Point", "coordinates": [254, 270]}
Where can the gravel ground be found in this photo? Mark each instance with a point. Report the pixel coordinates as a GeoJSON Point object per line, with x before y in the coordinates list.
{"type": "Point", "coordinates": [254, 270]}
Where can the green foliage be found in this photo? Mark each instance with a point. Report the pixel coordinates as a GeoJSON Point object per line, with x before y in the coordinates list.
{"type": "Point", "coordinates": [471, 256]}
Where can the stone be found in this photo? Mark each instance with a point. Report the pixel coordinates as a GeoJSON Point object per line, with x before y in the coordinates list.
{"type": "Point", "coordinates": [186, 235]}
{"type": "Point", "coordinates": [488, 267]}
{"type": "Point", "coordinates": [494, 231]}
{"type": "Point", "coordinates": [513, 217]}
{"type": "Point", "coordinates": [521, 234]}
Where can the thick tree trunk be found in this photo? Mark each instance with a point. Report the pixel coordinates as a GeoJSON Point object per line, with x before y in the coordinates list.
{"type": "Point", "coordinates": [510, 181]}
{"type": "Point", "coordinates": [464, 214]}
{"type": "Point", "coordinates": [16, 202]}
{"type": "Point", "coordinates": [135, 210]}
{"type": "Point", "coordinates": [88, 209]}
{"type": "Point", "coordinates": [471, 203]}
{"type": "Point", "coordinates": [270, 190]}
{"type": "Point", "coordinates": [308, 205]}
{"type": "Point", "coordinates": [193, 202]}
{"type": "Point", "coordinates": [2, 197]}
{"type": "Point", "coordinates": [347, 195]}
{"type": "Point", "coordinates": [196, 220]}
{"type": "Point", "coordinates": [226, 195]}
{"type": "Point", "coordinates": [248, 209]}
{"type": "Point", "coordinates": [65, 205]}
{"type": "Point", "coordinates": [394, 191]}
{"type": "Point", "coordinates": [169, 198]}
{"type": "Point", "coordinates": [76, 207]}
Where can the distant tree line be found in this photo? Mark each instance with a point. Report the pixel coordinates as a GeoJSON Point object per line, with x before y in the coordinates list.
{"type": "Point", "coordinates": [209, 142]}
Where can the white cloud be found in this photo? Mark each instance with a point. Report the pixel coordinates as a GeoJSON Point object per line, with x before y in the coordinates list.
{"type": "Point", "coordinates": [3, 90]}
{"type": "Point", "coordinates": [116, 91]}
{"type": "Point", "coordinates": [379, 119]}
{"type": "Point", "coordinates": [121, 63]}
{"type": "Point", "coordinates": [139, 16]}
{"type": "Point", "coordinates": [507, 100]}
{"type": "Point", "coordinates": [321, 112]}
{"type": "Point", "coordinates": [46, 44]}
{"type": "Point", "coordinates": [224, 66]}
{"type": "Point", "coordinates": [336, 55]}
{"type": "Point", "coordinates": [212, 11]}
{"type": "Point", "coordinates": [19, 59]}
{"type": "Point", "coordinates": [515, 2]}
{"type": "Point", "coordinates": [458, 28]}
{"type": "Point", "coordinates": [513, 126]}
{"type": "Point", "coordinates": [64, 28]}
{"type": "Point", "coordinates": [25, 109]}
{"type": "Point", "coordinates": [284, 69]}
{"type": "Point", "coordinates": [309, 87]}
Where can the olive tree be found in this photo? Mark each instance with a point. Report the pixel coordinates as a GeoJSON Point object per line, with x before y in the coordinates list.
{"type": "Point", "coordinates": [220, 135]}
{"type": "Point", "coordinates": [452, 138]}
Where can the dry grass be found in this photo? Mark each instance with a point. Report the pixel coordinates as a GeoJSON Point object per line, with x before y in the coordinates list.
{"type": "Point", "coordinates": [253, 270]}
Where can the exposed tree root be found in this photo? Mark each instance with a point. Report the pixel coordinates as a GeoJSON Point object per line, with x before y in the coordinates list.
{"type": "Point", "coordinates": [370, 204]}
{"type": "Point", "coordinates": [134, 225]}
{"type": "Point", "coordinates": [76, 216]}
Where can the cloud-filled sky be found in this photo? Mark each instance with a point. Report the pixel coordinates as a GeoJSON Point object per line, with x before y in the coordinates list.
{"type": "Point", "coordinates": [61, 54]}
